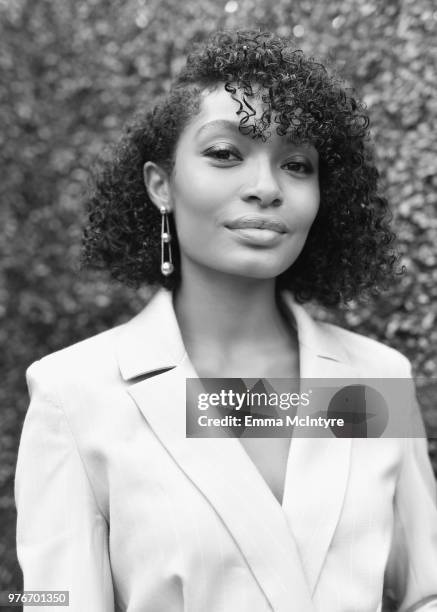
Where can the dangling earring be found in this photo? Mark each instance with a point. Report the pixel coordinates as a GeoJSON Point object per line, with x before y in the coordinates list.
{"type": "Point", "coordinates": [167, 266]}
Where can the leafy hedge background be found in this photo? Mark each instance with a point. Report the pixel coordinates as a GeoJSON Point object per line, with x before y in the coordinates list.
{"type": "Point", "coordinates": [73, 72]}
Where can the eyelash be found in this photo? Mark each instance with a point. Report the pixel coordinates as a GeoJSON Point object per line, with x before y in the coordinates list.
{"type": "Point", "coordinates": [214, 151]}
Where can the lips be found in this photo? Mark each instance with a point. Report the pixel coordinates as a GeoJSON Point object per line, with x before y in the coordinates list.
{"type": "Point", "coordinates": [256, 222]}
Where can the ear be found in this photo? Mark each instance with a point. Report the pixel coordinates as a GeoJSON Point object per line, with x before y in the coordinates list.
{"type": "Point", "coordinates": [157, 184]}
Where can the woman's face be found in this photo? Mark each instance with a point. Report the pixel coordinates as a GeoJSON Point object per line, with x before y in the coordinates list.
{"type": "Point", "coordinates": [241, 206]}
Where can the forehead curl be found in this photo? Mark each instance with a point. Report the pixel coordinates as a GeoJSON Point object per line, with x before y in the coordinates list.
{"type": "Point", "coordinates": [301, 100]}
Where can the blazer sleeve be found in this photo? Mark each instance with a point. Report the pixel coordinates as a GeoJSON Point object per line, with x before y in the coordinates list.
{"type": "Point", "coordinates": [411, 575]}
{"type": "Point", "coordinates": [62, 536]}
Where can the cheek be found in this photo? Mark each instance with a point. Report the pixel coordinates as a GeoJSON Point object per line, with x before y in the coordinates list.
{"type": "Point", "coordinates": [198, 201]}
{"type": "Point", "coordinates": [311, 214]}
{"type": "Point", "coordinates": [305, 208]}
{"type": "Point", "coordinates": [193, 194]}
{"type": "Point", "coordinates": [195, 211]}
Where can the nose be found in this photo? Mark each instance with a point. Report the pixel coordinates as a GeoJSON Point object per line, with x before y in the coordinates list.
{"type": "Point", "coordinates": [262, 186]}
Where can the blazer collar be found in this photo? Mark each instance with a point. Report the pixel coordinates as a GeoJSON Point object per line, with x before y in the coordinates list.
{"type": "Point", "coordinates": [151, 342]}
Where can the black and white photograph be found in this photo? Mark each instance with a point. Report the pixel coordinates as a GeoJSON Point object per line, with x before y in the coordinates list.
{"type": "Point", "coordinates": [218, 282]}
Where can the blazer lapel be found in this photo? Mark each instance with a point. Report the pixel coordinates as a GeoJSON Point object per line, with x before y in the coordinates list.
{"type": "Point", "coordinates": [224, 474]}
{"type": "Point", "coordinates": [219, 468]}
{"type": "Point", "coordinates": [318, 468]}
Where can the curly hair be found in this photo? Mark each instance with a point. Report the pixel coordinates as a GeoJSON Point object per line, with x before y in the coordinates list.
{"type": "Point", "coordinates": [349, 249]}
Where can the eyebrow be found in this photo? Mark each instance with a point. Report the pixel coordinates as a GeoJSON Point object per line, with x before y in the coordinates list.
{"type": "Point", "coordinates": [232, 126]}
{"type": "Point", "coordinates": [218, 123]}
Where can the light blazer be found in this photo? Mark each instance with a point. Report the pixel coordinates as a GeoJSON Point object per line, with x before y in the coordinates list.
{"type": "Point", "coordinates": [118, 507]}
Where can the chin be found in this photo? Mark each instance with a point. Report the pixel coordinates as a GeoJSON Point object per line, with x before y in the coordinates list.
{"type": "Point", "coordinates": [259, 263]}
{"type": "Point", "coordinates": [261, 270]}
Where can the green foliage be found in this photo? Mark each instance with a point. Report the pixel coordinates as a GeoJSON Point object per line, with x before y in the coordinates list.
{"type": "Point", "coordinates": [73, 72]}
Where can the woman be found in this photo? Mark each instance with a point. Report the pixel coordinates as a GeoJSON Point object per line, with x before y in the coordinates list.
{"type": "Point", "coordinates": [248, 189]}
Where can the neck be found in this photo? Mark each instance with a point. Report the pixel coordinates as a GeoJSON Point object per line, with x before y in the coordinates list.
{"type": "Point", "coordinates": [219, 313]}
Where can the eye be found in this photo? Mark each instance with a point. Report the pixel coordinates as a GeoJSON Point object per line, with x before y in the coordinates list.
{"type": "Point", "coordinates": [223, 153]}
{"type": "Point", "coordinates": [299, 167]}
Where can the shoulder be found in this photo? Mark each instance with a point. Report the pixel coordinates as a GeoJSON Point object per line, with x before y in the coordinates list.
{"type": "Point", "coordinates": [369, 357]}
{"type": "Point", "coordinates": [93, 357]}
{"type": "Point", "coordinates": [367, 354]}
{"type": "Point", "coordinates": [141, 344]}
